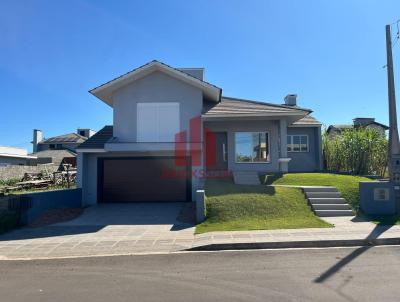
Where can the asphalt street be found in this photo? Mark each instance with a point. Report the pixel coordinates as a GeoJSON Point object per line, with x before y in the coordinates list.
{"type": "Point", "coordinates": [336, 274]}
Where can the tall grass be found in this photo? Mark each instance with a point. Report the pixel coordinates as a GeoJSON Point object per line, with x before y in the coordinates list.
{"type": "Point", "coordinates": [359, 151]}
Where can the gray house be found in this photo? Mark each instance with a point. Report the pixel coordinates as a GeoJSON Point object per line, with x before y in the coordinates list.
{"type": "Point", "coordinates": [59, 149]}
{"type": "Point", "coordinates": [171, 129]}
{"type": "Point", "coordinates": [358, 122]}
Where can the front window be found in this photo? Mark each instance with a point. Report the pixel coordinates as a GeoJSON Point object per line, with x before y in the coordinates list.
{"type": "Point", "coordinates": [252, 147]}
{"type": "Point", "coordinates": [297, 143]}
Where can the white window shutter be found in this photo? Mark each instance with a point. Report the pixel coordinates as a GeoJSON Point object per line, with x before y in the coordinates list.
{"type": "Point", "coordinates": [168, 121]}
{"type": "Point", "coordinates": [157, 122]}
{"type": "Point", "coordinates": [147, 128]}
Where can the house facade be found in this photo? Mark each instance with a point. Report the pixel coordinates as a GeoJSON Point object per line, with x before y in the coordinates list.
{"type": "Point", "coordinates": [59, 149]}
{"type": "Point", "coordinates": [171, 129]}
{"type": "Point", "coordinates": [12, 156]}
{"type": "Point", "coordinates": [358, 122]}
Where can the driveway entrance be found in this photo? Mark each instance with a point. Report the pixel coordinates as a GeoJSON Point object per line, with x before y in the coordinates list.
{"type": "Point", "coordinates": [106, 229]}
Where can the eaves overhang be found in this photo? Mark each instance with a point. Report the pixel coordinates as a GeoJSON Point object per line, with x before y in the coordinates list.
{"type": "Point", "coordinates": [105, 91]}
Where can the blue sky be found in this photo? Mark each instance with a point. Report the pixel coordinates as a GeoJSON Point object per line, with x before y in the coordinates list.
{"type": "Point", "coordinates": [331, 53]}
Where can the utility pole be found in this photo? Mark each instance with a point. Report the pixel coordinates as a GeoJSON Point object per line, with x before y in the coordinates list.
{"type": "Point", "coordinates": [394, 146]}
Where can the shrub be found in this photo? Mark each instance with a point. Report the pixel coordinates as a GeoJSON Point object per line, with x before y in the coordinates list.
{"type": "Point", "coordinates": [359, 151]}
{"type": "Point", "coordinates": [9, 182]}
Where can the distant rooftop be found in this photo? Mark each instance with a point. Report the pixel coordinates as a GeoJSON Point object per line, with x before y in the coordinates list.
{"type": "Point", "coordinates": [6, 151]}
{"type": "Point", "coordinates": [65, 138]}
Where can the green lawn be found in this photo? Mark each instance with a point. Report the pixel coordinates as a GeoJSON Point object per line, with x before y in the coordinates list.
{"type": "Point", "coordinates": [233, 207]}
{"type": "Point", "coordinates": [346, 184]}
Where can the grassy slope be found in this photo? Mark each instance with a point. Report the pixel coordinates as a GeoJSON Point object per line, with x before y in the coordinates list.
{"type": "Point", "coordinates": [346, 184]}
{"type": "Point", "coordinates": [233, 207]}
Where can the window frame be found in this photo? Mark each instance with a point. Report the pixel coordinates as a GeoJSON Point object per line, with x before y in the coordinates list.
{"type": "Point", "coordinates": [268, 161]}
{"type": "Point", "coordinates": [291, 143]}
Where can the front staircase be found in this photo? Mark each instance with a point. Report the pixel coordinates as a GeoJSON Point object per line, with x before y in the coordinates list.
{"type": "Point", "coordinates": [327, 202]}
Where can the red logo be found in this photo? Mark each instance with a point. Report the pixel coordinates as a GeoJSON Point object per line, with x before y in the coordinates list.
{"type": "Point", "coordinates": [194, 153]}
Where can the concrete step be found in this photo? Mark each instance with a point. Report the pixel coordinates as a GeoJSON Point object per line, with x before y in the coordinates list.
{"type": "Point", "coordinates": [325, 206]}
{"type": "Point", "coordinates": [333, 213]}
{"type": "Point", "coordinates": [319, 189]}
{"type": "Point", "coordinates": [246, 178]}
{"type": "Point", "coordinates": [335, 200]}
{"type": "Point", "coordinates": [323, 194]}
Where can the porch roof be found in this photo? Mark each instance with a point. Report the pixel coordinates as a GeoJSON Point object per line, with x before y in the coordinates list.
{"type": "Point", "coordinates": [98, 140]}
{"type": "Point", "coordinates": [308, 120]}
{"type": "Point", "coordinates": [234, 107]}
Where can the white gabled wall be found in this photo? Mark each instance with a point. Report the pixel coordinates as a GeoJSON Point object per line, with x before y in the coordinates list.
{"type": "Point", "coordinates": [156, 87]}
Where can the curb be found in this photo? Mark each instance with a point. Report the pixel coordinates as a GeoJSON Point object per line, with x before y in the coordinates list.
{"type": "Point", "coordinates": [296, 244]}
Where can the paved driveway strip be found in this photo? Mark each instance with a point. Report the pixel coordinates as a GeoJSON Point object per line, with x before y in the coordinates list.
{"type": "Point", "coordinates": [106, 229]}
{"type": "Point", "coordinates": [129, 229]}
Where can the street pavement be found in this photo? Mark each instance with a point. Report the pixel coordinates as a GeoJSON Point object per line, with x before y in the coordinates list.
{"type": "Point", "coordinates": [334, 274]}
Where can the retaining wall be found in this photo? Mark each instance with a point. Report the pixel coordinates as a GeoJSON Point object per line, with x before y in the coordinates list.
{"type": "Point", "coordinates": [15, 171]}
{"type": "Point", "coordinates": [40, 202]}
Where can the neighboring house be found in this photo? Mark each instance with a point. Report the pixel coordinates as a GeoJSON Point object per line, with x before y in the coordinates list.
{"type": "Point", "coordinates": [363, 122]}
{"type": "Point", "coordinates": [15, 156]}
{"type": "Point", "coordinates": [58, 149]}
{"type": "Point", "coordinates": [164, 117]}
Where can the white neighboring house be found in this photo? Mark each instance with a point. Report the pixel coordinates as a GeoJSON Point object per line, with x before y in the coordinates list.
{"type": "Point", "coordinates": [15, 156]}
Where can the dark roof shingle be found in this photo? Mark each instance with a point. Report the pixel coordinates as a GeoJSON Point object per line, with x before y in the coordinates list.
{"type": "Point", "coordinates": [98, 140]}
{"type": "Point", "coordinates": [65, 138]}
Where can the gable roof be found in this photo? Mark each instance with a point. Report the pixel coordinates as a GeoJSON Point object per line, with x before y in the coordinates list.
{"type": "Point", "coordinates": [379, 124]}
{"type": "Point", "coordinates": [104, 91]}
{"type": "Point", "coordinates": [349, 126]}
{"type": "Point", "coordinates": [308, 120]}
{"type": "Point", "coordinates": [54, 153]}
{"type": "Point", "coordinates": [98, 140]}
{"type": "Point", "coordinates": [64, 138]}
{"type": "Point", "coordinates": [235, 107]}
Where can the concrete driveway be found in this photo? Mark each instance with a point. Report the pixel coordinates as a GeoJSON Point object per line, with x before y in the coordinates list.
{"type": "Point", "coordinates": [105, 229]}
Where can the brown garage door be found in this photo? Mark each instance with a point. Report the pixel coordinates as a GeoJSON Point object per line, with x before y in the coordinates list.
{"type": "Point", "coordinates": [141, 179]}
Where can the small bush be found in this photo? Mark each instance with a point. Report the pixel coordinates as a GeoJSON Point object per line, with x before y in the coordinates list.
{"type": "Point", "coordinates": [8, 182]}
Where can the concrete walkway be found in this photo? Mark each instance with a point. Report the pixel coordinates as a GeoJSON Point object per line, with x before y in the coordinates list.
{"type": "Point", "coordinates": [129, 229]}
{"type": "Point", "coordinates": [106, 229]}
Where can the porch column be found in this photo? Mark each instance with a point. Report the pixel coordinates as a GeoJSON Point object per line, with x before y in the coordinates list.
{"type": "Point", "coordinates": [283, 160]}
{"type": "Point", "coordinates": [283, 137]}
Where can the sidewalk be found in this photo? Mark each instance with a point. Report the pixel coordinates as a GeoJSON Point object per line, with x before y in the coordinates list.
{"type": "Point", "coordinates": [63, 241]}
{"type": "Point", "coordinates": [347, 231]}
